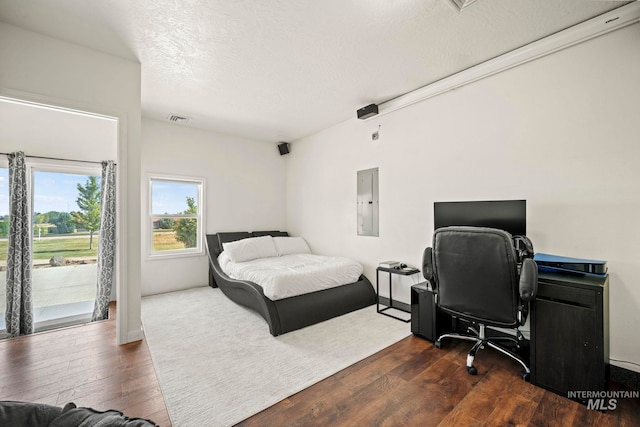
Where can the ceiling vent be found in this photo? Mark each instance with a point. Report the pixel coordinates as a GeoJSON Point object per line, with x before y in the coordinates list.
{"type": "Point", "coordinates": [174, 118]}
{"type": "Point", "coordinates": [459, 5]}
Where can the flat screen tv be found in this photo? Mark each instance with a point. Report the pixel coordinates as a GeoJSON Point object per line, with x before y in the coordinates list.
{"type": "Point", "coordinates": [508, 215]}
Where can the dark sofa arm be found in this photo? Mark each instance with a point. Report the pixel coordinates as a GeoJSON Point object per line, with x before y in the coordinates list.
{"type": "Point", "coordinates": [27, 414]}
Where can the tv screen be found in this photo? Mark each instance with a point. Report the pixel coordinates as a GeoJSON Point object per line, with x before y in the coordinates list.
{"type": "Point", "coordinates": [508, 215]}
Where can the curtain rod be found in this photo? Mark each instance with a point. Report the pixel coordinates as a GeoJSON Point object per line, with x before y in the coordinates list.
{"type": "Point", "coordinates": [64, 160]}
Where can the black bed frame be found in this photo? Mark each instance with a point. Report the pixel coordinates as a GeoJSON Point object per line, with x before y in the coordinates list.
{"type": "Point", "coordinates": [291, 313]}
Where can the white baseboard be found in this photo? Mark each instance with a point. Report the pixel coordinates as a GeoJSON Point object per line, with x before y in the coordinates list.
{"type": "Point", "coordinates": [134, 336]}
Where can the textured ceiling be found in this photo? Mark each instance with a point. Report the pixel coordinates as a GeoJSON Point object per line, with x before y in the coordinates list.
{"type": "Point", "coordinates": [279, 70]}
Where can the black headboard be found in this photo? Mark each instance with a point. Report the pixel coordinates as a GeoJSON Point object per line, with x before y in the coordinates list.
{"type": "Point", "coordinates": [269, 233]}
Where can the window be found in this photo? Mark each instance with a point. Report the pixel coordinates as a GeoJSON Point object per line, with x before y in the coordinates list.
{"type": "Point", "coordinates": [175, 219]}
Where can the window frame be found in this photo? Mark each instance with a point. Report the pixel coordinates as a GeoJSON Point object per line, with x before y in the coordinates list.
{"type": "Point", "coordinates": [199, 216]}
{"type": "Point", "coordinates": [4, 164]}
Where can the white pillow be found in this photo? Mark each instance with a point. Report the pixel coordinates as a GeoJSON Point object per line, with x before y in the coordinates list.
{"type": "Point", "coordinates": [251, 248]}
{"type": "Point", "coordinates": [291, 245]}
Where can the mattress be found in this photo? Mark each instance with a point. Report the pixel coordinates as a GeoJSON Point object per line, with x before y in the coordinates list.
{"type": "Point", "coordinates": [295, 274]}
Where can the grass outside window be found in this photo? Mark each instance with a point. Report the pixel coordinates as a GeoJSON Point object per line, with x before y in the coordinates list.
{"type": "Point", "coordinates": [78, 246]}
{"type": "Point", "coordinates": [164, 240]}
{"type": "Point", "coordinates": [47, 247]}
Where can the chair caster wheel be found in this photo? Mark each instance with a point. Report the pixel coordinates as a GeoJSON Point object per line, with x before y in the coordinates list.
{"type": "Point", "coordinates": [472, 370]}
{"type": "Point", "coordinates": [438, 344]}
{"type": "Point", "coordinates": [525, 376]}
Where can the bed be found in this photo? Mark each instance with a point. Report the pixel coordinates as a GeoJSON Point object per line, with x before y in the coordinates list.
{"type": "Point", "coordinates": [288, 313]}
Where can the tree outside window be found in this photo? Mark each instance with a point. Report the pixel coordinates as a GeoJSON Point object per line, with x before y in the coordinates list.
{"type": "Point", "coordinates": [89, 203]}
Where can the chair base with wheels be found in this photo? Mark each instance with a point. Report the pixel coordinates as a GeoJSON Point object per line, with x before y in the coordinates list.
{"type": "Point", "coordinates": [481, 340]}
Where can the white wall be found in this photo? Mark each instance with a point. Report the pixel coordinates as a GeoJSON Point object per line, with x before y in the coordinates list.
{"type": "Point", "coordinates": [42, 69]}
{"type": "Point", "coordinates": [46, 132]}
{"type": "Point", "coordinates": [245, 190]}
{"type": "Point", "coordinates": [560, 132]}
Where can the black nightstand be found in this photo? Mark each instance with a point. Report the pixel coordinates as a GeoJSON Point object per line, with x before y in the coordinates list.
{"type": "Point", "coordinates": [397, 306]}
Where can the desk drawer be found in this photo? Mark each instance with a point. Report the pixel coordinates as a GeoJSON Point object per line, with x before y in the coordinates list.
{"type": "Point", "coordinates": [567, 294]}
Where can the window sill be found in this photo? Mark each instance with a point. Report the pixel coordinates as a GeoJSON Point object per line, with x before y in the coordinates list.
{"type": "Point", "coordinates": [174, 255]}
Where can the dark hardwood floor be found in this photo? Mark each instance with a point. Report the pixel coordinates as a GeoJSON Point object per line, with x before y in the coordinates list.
{"type": "Point", "coordinates": [82, 364]}
{"type": "Point", "coordinates": [410, 383]}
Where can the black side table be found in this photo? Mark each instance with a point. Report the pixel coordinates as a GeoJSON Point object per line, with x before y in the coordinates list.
{"type": "Point", "coordinates": [391, 272]}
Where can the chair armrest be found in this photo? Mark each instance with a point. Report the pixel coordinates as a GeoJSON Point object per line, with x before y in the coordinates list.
{"type": "Point", "coordinates": [528, 279]}
{"type": "Point", "coordinates": [427, 265]}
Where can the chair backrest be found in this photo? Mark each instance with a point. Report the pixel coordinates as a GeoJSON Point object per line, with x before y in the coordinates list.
{"type": "Point", "coordinates": [476, 274]}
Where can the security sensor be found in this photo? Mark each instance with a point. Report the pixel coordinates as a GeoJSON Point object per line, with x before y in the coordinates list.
{"type": "Point", "coordinates": [376, 135]}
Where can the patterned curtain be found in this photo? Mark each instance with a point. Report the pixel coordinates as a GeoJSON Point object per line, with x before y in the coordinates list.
{"type": "Point", "coordinates": [19, 310]}
{"type": "Point", "coordinates": [106, 242]}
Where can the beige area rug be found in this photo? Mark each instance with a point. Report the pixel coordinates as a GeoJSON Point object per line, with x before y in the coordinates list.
{"type": "Point", "coordinates": [217, 363]}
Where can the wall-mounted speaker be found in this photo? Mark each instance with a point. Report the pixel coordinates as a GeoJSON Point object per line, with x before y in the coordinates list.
{"type": "Point", "coordinates": [368, 111]}
{"type": "Point", "coordinates": [284, 148]}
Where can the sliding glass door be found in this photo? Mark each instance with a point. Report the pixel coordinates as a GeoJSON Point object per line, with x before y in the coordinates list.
{"type": "Point", "coordinates": [65, 219]}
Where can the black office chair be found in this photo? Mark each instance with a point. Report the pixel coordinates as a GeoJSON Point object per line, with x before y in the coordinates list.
{"type": "Point", "coordinates": [485, 277]}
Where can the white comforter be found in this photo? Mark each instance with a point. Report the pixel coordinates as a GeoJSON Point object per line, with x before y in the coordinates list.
{"type": "Point", "coordinates": [296, 274]}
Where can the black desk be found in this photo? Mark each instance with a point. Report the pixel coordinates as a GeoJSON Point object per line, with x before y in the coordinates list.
{"type": "Point", "coordinates": [570, 333]}
{"type": "Point", "coordinates": [391, 272]}
{"type": "Point", "coordinates": [569, 343]}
